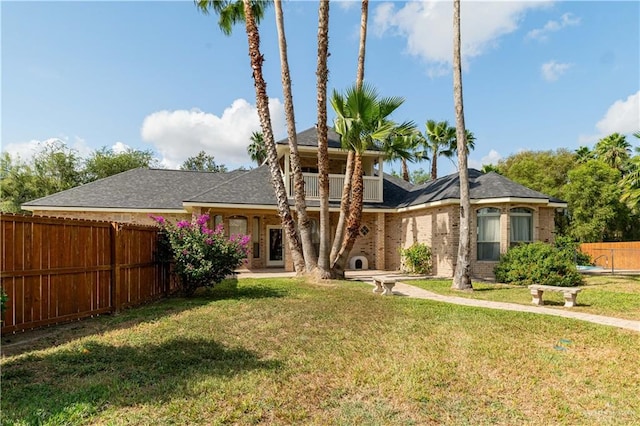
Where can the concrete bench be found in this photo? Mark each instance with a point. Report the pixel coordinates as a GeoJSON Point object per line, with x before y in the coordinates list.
{"type": "Point", "coordinates": [570, 294]}
{"type": "Point", "coordinates": [384, 285]}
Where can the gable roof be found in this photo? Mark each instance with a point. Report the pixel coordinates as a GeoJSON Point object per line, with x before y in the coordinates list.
{"type": "Point", "coordinates": [309, 137]}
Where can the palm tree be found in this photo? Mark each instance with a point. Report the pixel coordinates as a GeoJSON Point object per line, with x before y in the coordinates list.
{"type": "Point", "coordinates": [361, 121]}
{"type": "Point", "coordinates": [630, 185]}
{"type": "Point", "coordinates": [304, 225]}
{"type": "Point", "coordinates": [401, 145]}
{"type": "Point", "coordinates": [231, 12]}
{"type": "Point", "coordinates": [345, 200]}
{"type": "Point", "coordinates": [614, 150]}
{"type": "Point", "coordinates": [440, 137]}
{"type": "Point", "coordinates": [462, 276]}
{"type": "Point", "coordinates": [324, 264]}
{"type": "Point", "coordinates": [256, 148]}
{"type": "Point", "coordinates": [583, 154]}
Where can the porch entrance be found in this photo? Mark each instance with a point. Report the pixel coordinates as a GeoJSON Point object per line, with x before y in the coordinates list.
{"type": "Point", "coordinates": [275, 252]}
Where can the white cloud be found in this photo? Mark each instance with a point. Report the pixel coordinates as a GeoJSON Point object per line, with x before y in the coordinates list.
{"type": "Point", "coordinates": [26, 150]}
{"type": "Point", "coordinates": [623, 117]}
{"type": "Point", "coordinates": [552, 70]}
{"type": "Point", "coordinates": [542, 34]}
{"type": "Point", "coordinates": [177, 135]}
{"type": "Point", "coordinates": [491, 158]}
{"type": "Point", "coordinates": [348, 4]}
{"type": "Point", "coordinates": [120, 147]}
{"type": "Point", "coordinates": [428, 28]}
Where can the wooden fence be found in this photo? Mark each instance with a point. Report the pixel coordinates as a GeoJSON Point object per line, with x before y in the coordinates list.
{"type": "Point", "coordinates": [57, 270]}
{"type": "Point", "coordinates": [614, 256]}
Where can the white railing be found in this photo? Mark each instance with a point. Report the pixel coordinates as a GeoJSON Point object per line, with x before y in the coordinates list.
{"type": "Point", "coordinates": [372, 187]}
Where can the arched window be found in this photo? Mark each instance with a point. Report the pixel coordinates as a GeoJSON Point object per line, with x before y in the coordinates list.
{"type": "Point", "coordinates": [488, 233]}
{"type": "Point", "coordinates": [521, 226]}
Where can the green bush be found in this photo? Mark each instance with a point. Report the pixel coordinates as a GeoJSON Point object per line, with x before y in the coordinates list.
{"type": "Point", "coordinates": [3, 302]}
{"type": "Point", "coordinates": [572, 249]}
{"type": "Point", "coordinates": [538, 263]}
{"type": "Point", "coordinates": [417, 258]}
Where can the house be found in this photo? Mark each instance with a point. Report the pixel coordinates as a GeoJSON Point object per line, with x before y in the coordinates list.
{"type": "Point", "coordinates": [396, 213]}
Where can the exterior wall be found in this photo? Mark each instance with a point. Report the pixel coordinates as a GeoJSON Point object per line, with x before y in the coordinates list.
{"type": "Point", "coordinates": [133, 218]}
{"type": "Point", "coordinates": [436, 227]}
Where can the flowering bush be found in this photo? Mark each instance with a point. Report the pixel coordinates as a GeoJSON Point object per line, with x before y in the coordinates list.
{"type": "Point", "coordinates": [203, 256]}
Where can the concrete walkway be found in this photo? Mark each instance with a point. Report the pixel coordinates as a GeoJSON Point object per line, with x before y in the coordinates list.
{"type": "Point", "coordinates": [403, 289]}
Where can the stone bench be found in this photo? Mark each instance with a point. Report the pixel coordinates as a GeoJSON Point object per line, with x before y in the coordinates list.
{"type": "Point", "coordinates": [570, 294]}
{"type": "Point", "coordinates": [384, 285]}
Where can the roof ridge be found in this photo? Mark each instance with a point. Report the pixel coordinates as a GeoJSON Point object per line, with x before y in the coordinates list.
{"type": "Point", "coordinates": [231, 179]}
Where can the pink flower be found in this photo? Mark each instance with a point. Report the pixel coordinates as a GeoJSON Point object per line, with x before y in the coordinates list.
{"type": "Point", "coordinates": [183, 224]}
{"type": "Point", "coordinates": [158, 219]}
{"type": "Point", "coordinates": [202, 219]}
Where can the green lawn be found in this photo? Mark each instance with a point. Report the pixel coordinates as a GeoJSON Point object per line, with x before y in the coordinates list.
{"type": "Point", "coordinates": [288, 352]}
{"type": "Point", "coordinates": [616, 296]}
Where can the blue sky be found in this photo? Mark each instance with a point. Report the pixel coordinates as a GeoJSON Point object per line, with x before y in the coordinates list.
{"type": "Point", "coordinates": [160, 75]}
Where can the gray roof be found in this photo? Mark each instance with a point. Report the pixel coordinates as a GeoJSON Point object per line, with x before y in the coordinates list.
{"type": "Point", "coordinates": [136, 189]}
{"type": "Point", "coordinates": [309, 137]}
{"type": "Point", "coordinates": [168, 189]}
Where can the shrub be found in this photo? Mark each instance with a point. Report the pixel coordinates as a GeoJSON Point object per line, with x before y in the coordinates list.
{"type": "Point", "coordinates": [417, 258]}
{"type": "Point", "coordinates": [572, 249]}
{"type": "Point", "coordinates": [3, 302]}
{"type": "Point", "coordinates": [538, 263]}
{"type": "Point", "coordinates": [203, 257]}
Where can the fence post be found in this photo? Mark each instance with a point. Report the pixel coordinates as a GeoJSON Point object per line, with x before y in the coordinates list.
{"type": "Point", "coordinates": [612, 250]}
{"type": "Point", "coordinates": [115, 268]}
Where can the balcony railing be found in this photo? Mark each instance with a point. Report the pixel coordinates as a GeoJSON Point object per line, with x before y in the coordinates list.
{"type": "Point", "coordinates": [372, 187]}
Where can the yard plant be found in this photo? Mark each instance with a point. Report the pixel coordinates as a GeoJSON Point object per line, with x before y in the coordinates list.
{"type": "Point", "coordinates": [203, 257]}
{"type": "Point", "coordinates": [417, 258]}
{"type": "Point", "coordinates": [282, 351]}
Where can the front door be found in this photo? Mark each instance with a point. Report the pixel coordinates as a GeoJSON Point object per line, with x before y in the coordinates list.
{"type": "Point", "coordinates": [275, 250]}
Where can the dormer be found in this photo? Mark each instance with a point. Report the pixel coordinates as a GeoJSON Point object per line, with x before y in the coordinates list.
{"type": "Point", "coordinates": [372, 161]}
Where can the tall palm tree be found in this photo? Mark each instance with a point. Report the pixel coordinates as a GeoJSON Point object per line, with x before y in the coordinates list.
{"type": "Point", "coordinates": [231, 12]}
{"type": "Point", "coordinates": [440, 137]}
{"type": "Point", "coordinates": [322, 73]}
{"type": "Point", "coordinates": [584, 154]}
{"type": "Point", "coordinates": [362, 119]}
{"type": "Point", "coordinates": [304, 225]}
{"type": "Point", "coordinates": [630, 185]}
{"type": "Point", "coordinates": [345, 200]}
{"type": "Point", "coordinates": [256, 148]}
{"type": "Point", "coordinates": [614, 150]}
{"type": "Point", "coordinates": [462, 276]}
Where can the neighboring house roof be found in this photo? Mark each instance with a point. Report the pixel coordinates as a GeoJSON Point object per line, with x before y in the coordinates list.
{"type": "Point", "coordinates": [309, 138]}
{"type": "Point", "coordinates": [155, 189]}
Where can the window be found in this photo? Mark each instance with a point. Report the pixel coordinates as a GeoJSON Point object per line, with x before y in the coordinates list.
{"type": "Point", "coordinates": [217, 221]}
{"type": "Point", "coordinates": [488, 233]}
{"type": "Point", "coordinates": [255, 237]}
{"type": "Point", "coordinates": [237, 225]}
{"type": "Point", "coordinates": [521, 226]}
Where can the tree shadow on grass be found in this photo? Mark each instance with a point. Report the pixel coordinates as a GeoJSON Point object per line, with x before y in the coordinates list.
{"type": "Point", "coordinates": [85, 379]}
{"type": "Point", "coordinates": [55, 335]}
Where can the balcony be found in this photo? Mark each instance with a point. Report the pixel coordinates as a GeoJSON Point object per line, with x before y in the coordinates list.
{"type": "Point", "coordinates": [372, 187]}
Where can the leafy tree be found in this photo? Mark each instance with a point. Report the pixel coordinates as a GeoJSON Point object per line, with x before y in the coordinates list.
{"type": "Point", "coordinates": [419, 176]}
{"type": "Point", "coordinates": [487, 168]}
{"type": "Point", "coordinates": [593, 195]}
{"type": "Point", "coordinates": [17, 184]}
{"type": "Point", "coordinates": [256, 148]}
{"type": "Point", "coordinates": [543, 171]}
{"type": "Point", "coordinates": [203, 162]}
{"type": "Point", "coordinates": [56, 168]}
{"type": "Point", "coordinates": [106, 162]}
{"type": "Point", "coordinates": [630, 185]}
{"type": "Point", "coordinates": [462, 274]}
{"type": "Point", "coordinates": [584, 154]}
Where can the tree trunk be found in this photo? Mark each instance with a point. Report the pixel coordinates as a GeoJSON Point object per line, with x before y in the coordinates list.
{"type": "Point", "coordinates": [462, 277]}
{"type": "Point", "coordinates": [345, 202]}
{"type": "Point", "coordinates": [405, 170]}
{"type": "Point", "coordinates": [262, 105]}
{"type": "Point", "coordinates": [434, 163]}
{"type": "Point", "coordinates": [322, 73]}
{"type": "Point", "coordinates": [304, 226]}
{"type": "Point", "coordinates": [355, 217]}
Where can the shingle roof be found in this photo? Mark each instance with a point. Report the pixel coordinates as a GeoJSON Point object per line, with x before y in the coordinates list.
{"type": "Point", "coordinates": [136, 189]}
{"type": "Point", "coordinates": [168, 189]}
{"type": "Point", "coordinates": [309, 137]}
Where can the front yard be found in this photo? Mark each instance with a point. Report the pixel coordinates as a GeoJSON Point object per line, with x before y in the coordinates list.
{"type": "Point", "coordinates": [281, 351]}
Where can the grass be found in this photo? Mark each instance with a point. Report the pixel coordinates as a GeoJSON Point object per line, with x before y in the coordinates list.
{"type": "Point", "coordinates": [282, 351]}
{"type": "Point", "coordinates": [616, 296]}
